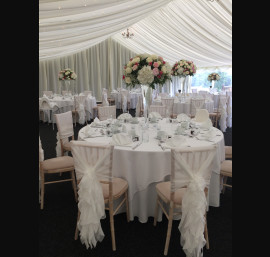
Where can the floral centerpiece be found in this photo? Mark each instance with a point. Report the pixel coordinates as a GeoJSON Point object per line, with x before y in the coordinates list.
{"type": "Point", "coordinates": [183, 68]}
{"type": "Point", "coordinates": [146, 69]}
{"type": "Point", "coordinates": [67, 74]}
{"type": "Point", "coordinates": [213, 76]}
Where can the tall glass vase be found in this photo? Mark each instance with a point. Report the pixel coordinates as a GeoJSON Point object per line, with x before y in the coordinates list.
{"type": "Point", "coordinates": [147, 99]}
{"type": "Point", "coordinates": [67, 83]}
{"type": "Point", "coordinates": [213, 83]}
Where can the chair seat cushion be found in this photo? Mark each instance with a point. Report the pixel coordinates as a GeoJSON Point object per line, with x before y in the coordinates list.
{"type": "Point", "coordinates": [67, 146]}
{"type": "Point", "coordinates": [226, 167]}
{"type": "Point", "coordinates": [119, 187]}
{"type": "Point", "coordinates": [58, 163]}
{"type": "Point", "coordinates": [228, 151]}
{"type": "Point", "coordinates": [164, 188]}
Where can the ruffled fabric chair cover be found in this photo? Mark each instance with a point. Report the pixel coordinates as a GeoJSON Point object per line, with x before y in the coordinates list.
{"type": "Point", "coordinates": [105, 99]}
{"type": "Point", "coordinates": [192, 168]}
{"type": "Point", "coordinates": [92, 162]}
{"type": "Point", "coordinates": [124, 99]}
{"type": "Point", "coordinates": [106, 112]}
{"type": "Point", "coordinates": [49, 108]}
{"type": "Point", "coordinates": [196, 104]}
{"type": "Point", "coordinates": [80, 107]}
{"type": "Point", "coordinates": [65, 129]}
{"type": "Point", "coordinates": [168, 102]}
{"type": "Point", "coordinates": [159, 109]}
{"type": "Point", "coordinates": [229, 111]}
{"type": "Point", "coordinates": [223, 113]}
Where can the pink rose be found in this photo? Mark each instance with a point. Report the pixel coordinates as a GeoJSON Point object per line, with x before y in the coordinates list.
{"type": "Point", "coordinates": [155, 64]}
{"type": "Point", "coordinates": [135, 67]}
{"type": "Point", "coordinates": [155, 71]}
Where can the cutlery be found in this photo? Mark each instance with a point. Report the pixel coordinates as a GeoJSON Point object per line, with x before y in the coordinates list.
{"type": "Point", "coordinates": [134, 147]}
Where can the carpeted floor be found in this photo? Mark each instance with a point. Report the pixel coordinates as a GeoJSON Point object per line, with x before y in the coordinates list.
{"type": "Point", "coordinates": [134, 239]}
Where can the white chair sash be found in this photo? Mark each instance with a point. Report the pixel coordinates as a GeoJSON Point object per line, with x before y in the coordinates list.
{"type": "Point", "coordinates": [91, 200]}
{"type": "Point", "coordinates": [229, 111]}
{"type": "Point", "coordinates": [223, 113]}
{"type": "Point", "coordinates": [104, 99]}
{"type": "Point", "coordinates": [194, 202]}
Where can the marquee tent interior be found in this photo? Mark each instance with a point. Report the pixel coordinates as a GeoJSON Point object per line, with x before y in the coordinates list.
{"type": "Point", "coordinates": [86, 36]}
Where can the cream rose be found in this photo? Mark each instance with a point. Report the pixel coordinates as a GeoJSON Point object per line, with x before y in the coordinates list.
{"type": "Point", "coordinates": [127, 80]}
{"type": "Point", "coordinates": [128, 70]}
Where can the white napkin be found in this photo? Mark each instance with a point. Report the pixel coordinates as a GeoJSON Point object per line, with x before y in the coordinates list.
{"type": "Point", "coordinates": [175, 141]}
{"type": "Point", "coordinates": [96, 123]}
{"type": "Point", "coordinates": [207, 124]}
{"type": "Point", "coordinates": [154, 115]}
{"type": "Point", "coordinates": [121, 139]}
{"type": "Point", "coordinates": [124, 116]}
{"type": "Point", "coordinates": [182, 117]}
{"type": "Point", "coordinates": [124, 128]}
{"type": "Point", "coordinates": [92, 132]}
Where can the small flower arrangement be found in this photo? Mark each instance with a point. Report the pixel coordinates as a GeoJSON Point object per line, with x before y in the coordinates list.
{"type": "Point", "coordinates": [183, 68]}
{"type": "Point", "coordinates": [213, 76]}
{"type": "Point", "coordinates": [147, 70]}
{"type": "Point", "coordinates": [67, 74]}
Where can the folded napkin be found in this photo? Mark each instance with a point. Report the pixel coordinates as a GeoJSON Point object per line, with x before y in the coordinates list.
{"type": "Point", "coordinates": [175, 141]}
{"type": "Point", "coordinates": [96, 123]}
{"type": "Point", "coordinates": [124, 116]}
{"type": "Point", "coordinates": [207, 124]}
{"type": "Point", "coordinates": [208, 135]}
{"type": "Point", "coordinates": [182, 117]}
{"type": "Point", "coordinates": [154, 115]}
{"type": "Point", "coordinates": [121, 139]}
{"type": "Point", "coordinates": [93, 132]}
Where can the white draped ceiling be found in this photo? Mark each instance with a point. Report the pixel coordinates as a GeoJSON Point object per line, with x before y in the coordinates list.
{"type": "Point", "coordinates": [197, 30]}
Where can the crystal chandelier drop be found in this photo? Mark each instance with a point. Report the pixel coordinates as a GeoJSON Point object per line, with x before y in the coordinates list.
{"type": "Point", "coordinates": [127, 34]}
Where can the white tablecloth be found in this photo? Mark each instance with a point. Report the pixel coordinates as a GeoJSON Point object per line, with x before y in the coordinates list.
{"type": "Point", "coordinates": [148, 164]}
{"type": "Point", "coordinates": [67, 104]}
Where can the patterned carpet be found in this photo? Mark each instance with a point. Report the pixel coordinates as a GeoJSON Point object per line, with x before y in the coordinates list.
{"type": "Point", "coordinates": [134, 239]}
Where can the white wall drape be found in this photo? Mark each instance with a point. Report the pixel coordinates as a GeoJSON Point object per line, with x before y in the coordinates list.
{"type": "Point", "coordinates": [98, 67]}
{"type": "Point", "coordinates": [70, 26]}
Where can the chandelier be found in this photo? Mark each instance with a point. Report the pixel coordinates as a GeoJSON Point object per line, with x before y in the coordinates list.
{"type": "Point", "coordinates": [127, 34]}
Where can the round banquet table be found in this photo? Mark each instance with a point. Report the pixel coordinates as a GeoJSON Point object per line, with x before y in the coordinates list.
{"type": "Point", "coordinates": [66, 104]}
{"type": "Point", "coordinates": [148, 164]}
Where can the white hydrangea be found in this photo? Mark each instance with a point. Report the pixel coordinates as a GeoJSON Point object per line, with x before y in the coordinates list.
{"type": "Point", "coordinates": [145, 75]}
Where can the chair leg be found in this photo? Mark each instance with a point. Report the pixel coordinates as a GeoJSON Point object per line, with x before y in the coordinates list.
{"type": "Point", "coordinates": [74, 185]}
{"type": "Point", "coordinates": [112, 225]}
{"type": "Point", "coordinates": [76, 230]}
{"type": "Point", "coordinates": [169, 229]}
{"type": "Point", "coordinates": [156, 212]}
{"type": "Point", "coordinates": [224, 182]}
{"type": "Point", "coordinates": [127, 206]}
{"type": "Point", "coordinates": [42, 190]}
{"type": "Point", "coordinates": [206, 233]}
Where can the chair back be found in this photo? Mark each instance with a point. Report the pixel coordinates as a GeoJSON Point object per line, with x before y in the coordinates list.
{"type": "Point", "coordinates": [79, 103]}
{"type": "Point", "coordinates": [48, 93]}
{"type": "Point", "coordinates": [105, 99]}
{"type": "Point", "coordinates": [159, 109]}
{"type": "Point", "coordinates": [41, 151]}
{"type": "Point", "coordinates": [93, 163]}
{"type": "Point", "coordinates": [222, 109]}
{"type": "Point", "coordinates": [201, 115]}
{"type": "Point", "coordinates": [168, 102]}
{"type": "Point", "coordinates": [192, 168]}
{"type": "Point", "coordinates": [64, 124]}
{"type": "Point", "coordinates": [196, 104]}
{"type": "Point", "coordinates": [105, 112]}
{"type": "Point", "coordinates": [194, 90]}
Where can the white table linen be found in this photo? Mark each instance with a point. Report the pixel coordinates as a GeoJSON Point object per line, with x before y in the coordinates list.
{"type": "Point", "coordinates": [148, 164]}
{"type": "Point", "coordinates": [67, 104]}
